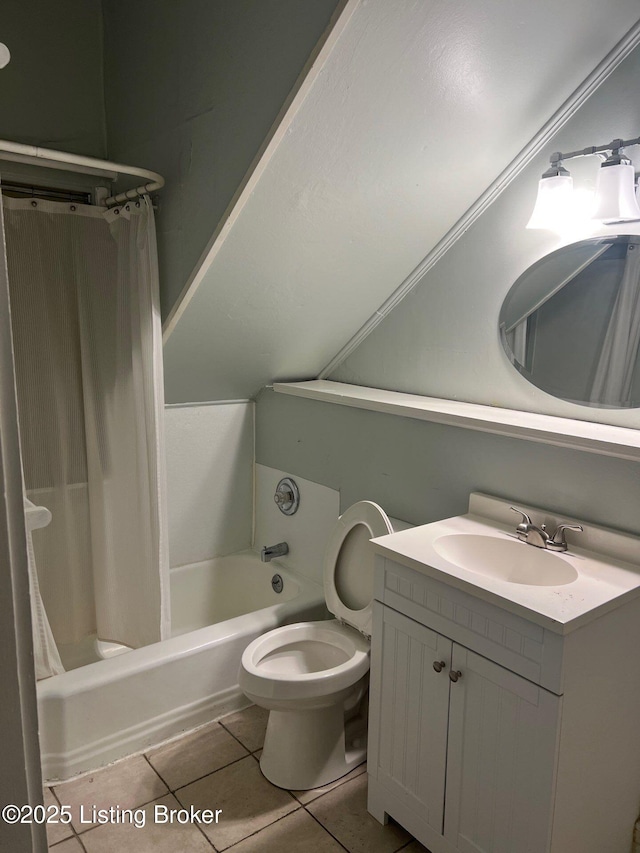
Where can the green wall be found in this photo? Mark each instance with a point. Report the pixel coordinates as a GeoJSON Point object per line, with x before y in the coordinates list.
{"type": "Point", "coordinates": [188, 88]}
{"type": "Point", "coordinates": [51, 91]}
{"type": "Point", "coordinates": [192, 88]}
{"type": "Point", "coordinates": [421, 472]}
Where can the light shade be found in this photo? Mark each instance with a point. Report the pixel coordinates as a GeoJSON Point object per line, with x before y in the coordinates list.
{"type": "Point", "coordinates": [615, 195]}
{"type": "Point", "coordinates": [554, 204]}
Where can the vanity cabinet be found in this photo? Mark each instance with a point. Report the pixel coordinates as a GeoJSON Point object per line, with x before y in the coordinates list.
{"type": "Point", "coordinates": [480, 741]}
{"type": "Point", "coordinates": [488, 738]}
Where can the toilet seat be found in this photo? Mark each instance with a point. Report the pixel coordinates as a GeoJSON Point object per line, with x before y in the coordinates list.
{"type": "Point", "coordinates": [348, 567]}
{"type": "Point", "coordinates": [274, 664]}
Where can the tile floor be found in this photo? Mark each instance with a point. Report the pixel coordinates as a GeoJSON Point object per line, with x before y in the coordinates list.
{"type": "Point", "coordinates": [216, 767]}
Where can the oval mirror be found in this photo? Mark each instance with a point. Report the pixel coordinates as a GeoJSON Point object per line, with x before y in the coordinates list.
{"type": "Point", "coordinates": [571, 322]}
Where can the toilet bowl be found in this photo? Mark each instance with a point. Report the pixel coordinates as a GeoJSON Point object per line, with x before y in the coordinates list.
{"type": "Point", "coordinates": [313, 677]}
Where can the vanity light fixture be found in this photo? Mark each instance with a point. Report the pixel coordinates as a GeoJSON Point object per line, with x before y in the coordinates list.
{"type": "Point", "coordinates": [615, 197]}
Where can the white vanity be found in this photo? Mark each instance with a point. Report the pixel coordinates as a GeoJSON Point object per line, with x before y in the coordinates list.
{"type": "Point", "coordinates": [505, 686]}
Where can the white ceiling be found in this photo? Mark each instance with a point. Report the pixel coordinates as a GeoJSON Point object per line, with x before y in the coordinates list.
{"type": "Point", "coordinates": [412, 109]}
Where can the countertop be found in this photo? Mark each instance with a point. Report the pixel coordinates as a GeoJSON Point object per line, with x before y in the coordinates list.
{"type": "Point", "coordinates": [604, 580]}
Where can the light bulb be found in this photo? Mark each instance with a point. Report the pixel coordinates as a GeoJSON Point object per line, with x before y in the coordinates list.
{"type": "Point", "coordinates": [615, 194]}
{"type": "Point", "coordinates": [554, 203]}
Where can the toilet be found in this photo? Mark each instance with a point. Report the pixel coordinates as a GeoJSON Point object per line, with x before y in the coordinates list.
{"type": "Point", "coordinates": [313, 676]}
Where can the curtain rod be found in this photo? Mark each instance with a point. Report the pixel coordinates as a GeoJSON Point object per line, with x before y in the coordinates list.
{"type": "Point", "coordinates": [33, 154]}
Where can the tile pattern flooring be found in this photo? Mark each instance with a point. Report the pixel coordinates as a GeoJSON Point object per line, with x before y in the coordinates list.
{"type": "Point", "coordinates": [216, 767]}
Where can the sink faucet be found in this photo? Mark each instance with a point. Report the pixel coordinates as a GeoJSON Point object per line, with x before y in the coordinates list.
{"type": "Point", "coordinates": [527, 532]}
{"type": "Point", "coordinates": [268, 552]}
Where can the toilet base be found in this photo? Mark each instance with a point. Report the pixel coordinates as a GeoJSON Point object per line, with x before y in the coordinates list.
{"type": "Point", "coordinates": [311, 748]}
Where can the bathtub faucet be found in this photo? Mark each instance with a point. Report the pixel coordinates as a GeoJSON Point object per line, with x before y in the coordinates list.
{"type": "Point", "coordinates": [270, 551]}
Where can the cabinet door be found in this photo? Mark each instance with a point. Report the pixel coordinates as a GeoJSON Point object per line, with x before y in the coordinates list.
{"type": "Point", "coordinates": [409, 712]}
{"type": "Point", "coordinates": [501, 759]}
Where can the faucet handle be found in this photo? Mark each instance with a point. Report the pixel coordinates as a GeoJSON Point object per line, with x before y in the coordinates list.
{"type": "Point", "coordinates": [558, 542]}
{"type": "Point", "coordinates": [526, 519]}
{"type": "Point", "coordinates": [523, 528]}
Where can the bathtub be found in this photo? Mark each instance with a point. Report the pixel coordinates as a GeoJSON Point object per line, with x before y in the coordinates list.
{"type": "Point", "coordinates": [105, 710]}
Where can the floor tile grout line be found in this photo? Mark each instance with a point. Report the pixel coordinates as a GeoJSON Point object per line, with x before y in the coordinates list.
{"type": "Point", "coordinates": [316, 799]}
{"type": "Point", "coordinates": [238, 739]}
{"type": "Point", "coordinates": [157, 772]}
{"type": "Point", "coordinates": [206, 837]}
{"type": "Point", "coordinates": [64, 840]}
{"type": "Point", "coordinates": [140, 806]}
{"type": "Point", "coordinates": [78, 839]}
{"type": "Point", "coordinates": [262, 828]}
{"type": "Point", "coordinates": [74, 833]}
{"type": "Point", "coordinates": [174, 791]}
{"type": "Point", "coordinates": [199, 778]}
{"type": "Point", "coordinates": [326, 793]}
{"type": "Point", "coordinates": [331, 790]}
{"type": "Point", "coordinates": [304, 806]}
{"type": "Point", "coordinates": [133, 808]}
{"type": "Point", "coordinates": [337, 840]}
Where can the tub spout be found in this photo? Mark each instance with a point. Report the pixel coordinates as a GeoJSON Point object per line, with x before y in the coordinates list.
{"type": "Point", "coordinates": [268, 552]}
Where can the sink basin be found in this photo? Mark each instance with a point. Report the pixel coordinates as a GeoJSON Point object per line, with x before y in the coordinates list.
{"type": "Point", "coordinates": [505, 559]}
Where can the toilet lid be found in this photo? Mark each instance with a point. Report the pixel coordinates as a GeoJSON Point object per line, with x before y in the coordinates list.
{"type": "Point", "coordinates": [349, 562]}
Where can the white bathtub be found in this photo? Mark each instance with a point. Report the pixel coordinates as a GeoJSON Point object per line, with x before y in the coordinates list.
{"type": "Point", "coordinates": [106, 710]}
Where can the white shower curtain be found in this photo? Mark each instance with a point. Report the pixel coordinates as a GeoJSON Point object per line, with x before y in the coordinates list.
{"type": "Point", "coordinates": [45, 652]}
{"type": "Point", "coordinates": [615, 371]}
{"type": "Point", "coordinates": [86, 328]}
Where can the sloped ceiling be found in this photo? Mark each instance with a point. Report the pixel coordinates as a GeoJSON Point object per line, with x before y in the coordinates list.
{"type": "Point", "coordinates": [408, 114]}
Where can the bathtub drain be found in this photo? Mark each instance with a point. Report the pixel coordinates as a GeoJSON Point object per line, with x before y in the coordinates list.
{"type": "Point", "coordinates": [277, 583]}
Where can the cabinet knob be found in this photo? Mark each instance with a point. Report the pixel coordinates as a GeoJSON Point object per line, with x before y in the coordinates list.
{"type": "Point", "coordinates": [455, 674]}
{"type": "Point", "coordinates": [439, 665]}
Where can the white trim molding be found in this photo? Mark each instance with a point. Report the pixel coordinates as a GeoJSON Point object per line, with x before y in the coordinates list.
{"type": "Point", "coordinates": [607, 440]}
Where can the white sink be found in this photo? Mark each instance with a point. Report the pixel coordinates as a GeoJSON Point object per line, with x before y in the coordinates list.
{"type": "Point", "coordinates": [505, 559]}
{"type": "Point", "coordinates": [480, 554]}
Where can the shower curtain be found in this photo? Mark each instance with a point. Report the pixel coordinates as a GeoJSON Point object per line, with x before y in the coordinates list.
{"type": "Point", "coordinates": [615, 370]}
{"type": "Point", "coordinates": [84, 300]}
{"type": "Point", "coordinates": [45, 652]}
